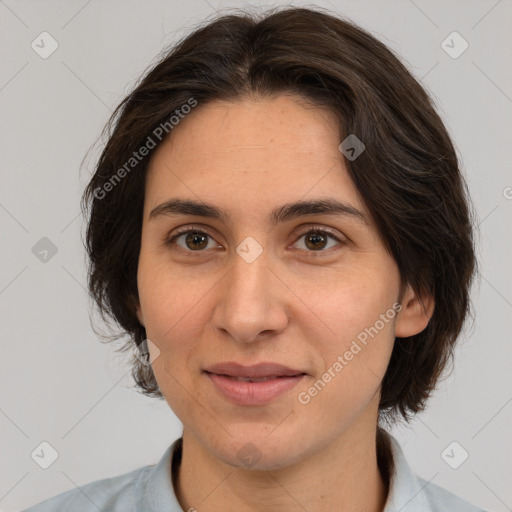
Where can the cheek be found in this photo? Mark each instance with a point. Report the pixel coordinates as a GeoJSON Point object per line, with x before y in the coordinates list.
{"type": "Point", "coordinates": [352, 303]}
{"type": "Point", "coordinates": [172, 318]}
{"type": "Point", "coordinates": [356, 318]}
{"type": "Point", "coordinates": [351, 367]}
{"type": "Point", "coordinates": [167, 297]}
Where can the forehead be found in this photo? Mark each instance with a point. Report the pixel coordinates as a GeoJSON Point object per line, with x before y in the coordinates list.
{"type": "Point", "coordinates": [281, 126]}
{"type": "Point", "coordinates": [252, 153]}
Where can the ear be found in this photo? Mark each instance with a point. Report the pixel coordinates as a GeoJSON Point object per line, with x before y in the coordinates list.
{"type": "Point", "coordinates": [415, 314]}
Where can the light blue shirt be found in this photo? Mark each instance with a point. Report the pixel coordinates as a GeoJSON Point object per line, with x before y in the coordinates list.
{"type": "Point", "coordinates": [150, 489]}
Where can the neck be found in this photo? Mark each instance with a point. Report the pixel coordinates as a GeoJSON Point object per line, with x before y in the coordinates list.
{"type": "Point", "coordinates": [350, 474]}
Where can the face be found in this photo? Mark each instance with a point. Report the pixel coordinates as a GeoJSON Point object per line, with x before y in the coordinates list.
{"type": "Point", "coordinates": [302, 288]}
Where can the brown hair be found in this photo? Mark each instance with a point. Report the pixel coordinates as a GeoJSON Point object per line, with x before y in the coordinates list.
{"type": "Point", "coordinates": [408, 175]}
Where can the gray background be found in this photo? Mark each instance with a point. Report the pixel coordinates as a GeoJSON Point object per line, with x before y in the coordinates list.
{"type": "Point", "coordinates": [61, 385]}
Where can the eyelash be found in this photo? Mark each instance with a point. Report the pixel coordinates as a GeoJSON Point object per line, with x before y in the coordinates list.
{"type": "Point", "coordinates": [183, 231]}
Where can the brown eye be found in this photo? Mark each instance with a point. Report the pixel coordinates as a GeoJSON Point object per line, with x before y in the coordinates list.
{"type": "Point", "coordinates": [196, 240]}
{"type": "Point", "coordinates": [191, 240]}
{"type": "Point", "coordinates": [316, 240]}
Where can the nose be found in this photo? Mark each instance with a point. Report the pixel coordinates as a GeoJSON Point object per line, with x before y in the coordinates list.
{"type": "Point", "coordinates": [251, 301]}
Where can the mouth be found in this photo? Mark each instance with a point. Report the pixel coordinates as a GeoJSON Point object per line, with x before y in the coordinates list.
{"type": "Point", "coordinates": [253, 385]}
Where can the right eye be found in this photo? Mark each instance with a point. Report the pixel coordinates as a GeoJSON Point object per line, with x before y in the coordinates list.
{"type": "Point", "coordinates": [193, 240]}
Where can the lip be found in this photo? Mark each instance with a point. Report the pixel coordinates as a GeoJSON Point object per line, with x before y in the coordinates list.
{"type": "Point", "coordinates": [259, 370]}
{"type": "Point", "coordinates": [280, 379]}
{"type": "Point", "coordinates": [253, 393]}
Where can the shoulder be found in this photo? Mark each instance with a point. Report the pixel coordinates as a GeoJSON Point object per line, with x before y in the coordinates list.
{"type": "Point", "coordinates": [147, 488]}
{"type": "Point", "coordinates": [409, 492]}
{"type": "Point", "coordinates": [114, 494]}
{"type": "Point", "coordinates": [440, 499]}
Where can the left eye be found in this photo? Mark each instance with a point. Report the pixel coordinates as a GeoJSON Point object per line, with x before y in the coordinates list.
{"type": "Point", "coordinates": [316, 239]}
{"type": "Point", "coordinates": [196, 240]}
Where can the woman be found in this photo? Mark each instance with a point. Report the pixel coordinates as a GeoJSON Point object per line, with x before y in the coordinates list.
{"type": "Point", "coordinates": [280, 224]}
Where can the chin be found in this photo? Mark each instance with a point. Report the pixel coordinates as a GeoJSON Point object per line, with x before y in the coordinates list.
{"type": "Point", "coordinates": [259, 452]}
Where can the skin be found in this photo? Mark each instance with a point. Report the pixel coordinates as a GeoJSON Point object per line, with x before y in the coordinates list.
{"type": "Point", "coordinates": [294, 305]}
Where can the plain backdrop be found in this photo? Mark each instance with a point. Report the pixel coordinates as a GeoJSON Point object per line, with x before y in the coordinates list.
{"type": "Point", "coordinates": [61, 386]}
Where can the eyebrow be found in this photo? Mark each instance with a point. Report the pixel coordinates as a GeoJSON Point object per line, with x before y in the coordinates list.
{"type": "Point", "coordinates": [288, 211]}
